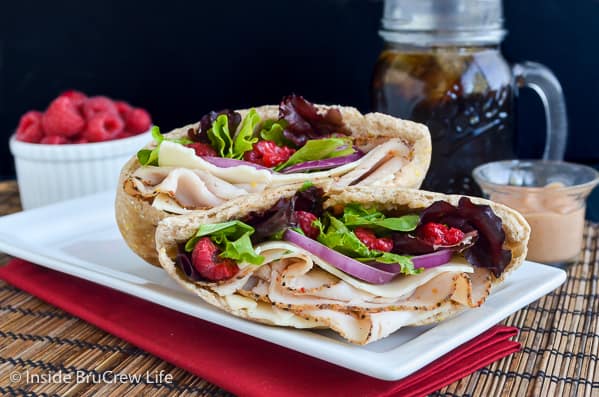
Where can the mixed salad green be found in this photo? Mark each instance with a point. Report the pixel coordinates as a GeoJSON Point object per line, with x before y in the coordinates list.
{"type": "Point", "coordinates": [300, 136]}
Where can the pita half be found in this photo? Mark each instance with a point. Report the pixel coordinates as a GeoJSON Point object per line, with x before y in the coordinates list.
{"type": "Point", "coordinates": [396, 153]}
{"type": "Point", "coordinates": [293, 287]}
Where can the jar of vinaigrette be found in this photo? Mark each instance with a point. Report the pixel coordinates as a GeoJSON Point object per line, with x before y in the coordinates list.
{"type": "Point", "coordinates": [552, 197]}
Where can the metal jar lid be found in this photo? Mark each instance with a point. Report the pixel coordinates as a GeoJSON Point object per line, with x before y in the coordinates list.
{"type": "Point", "coordinates": [443, 22]}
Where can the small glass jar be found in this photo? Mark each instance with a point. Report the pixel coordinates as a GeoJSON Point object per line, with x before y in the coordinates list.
{"type": "Point", "coordinates": [441, 66]}
{"type": "Point", "coordinates": [552, 197]}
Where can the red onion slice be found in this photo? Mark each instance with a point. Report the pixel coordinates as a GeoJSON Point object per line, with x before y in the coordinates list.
{"type": "Point", "coordinates": [434, 259]}
{"type": "Point", "coordinates": [228, 163]}
{"type": "Point", "coordinates": [420, 261]}
{"type": "Point", "coordinates": [348, 265]}
{"type": "Point", "coordinates": [325, 164]}
{"type": "Point", "coordinates": [372, 272]}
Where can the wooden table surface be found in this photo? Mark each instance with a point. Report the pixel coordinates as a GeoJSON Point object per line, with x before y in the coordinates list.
{"type": "Point", "coordinates": [559, 334]}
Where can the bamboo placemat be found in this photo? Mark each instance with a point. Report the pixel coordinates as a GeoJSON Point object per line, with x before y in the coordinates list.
{"type": "Point", "coordinates": [559, 334]}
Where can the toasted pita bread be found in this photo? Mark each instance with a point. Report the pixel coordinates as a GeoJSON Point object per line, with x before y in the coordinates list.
{"type": "Point", "coordinates": [271, 294]}
{"type": "Point", "coordinates": [137, 214]}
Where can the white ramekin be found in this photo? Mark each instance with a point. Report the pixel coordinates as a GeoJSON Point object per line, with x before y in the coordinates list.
{"type": "Point", "coordinates": [50, 173]}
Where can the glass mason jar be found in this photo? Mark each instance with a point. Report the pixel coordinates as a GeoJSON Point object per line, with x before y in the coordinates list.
{"type": "Point", "coordinates": [441, 66]}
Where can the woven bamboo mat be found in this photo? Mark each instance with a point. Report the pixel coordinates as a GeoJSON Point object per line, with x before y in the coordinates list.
{"type": "Point", "coordinates": [559, 334]}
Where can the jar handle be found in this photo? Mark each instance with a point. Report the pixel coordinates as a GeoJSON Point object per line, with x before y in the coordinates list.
{"type": "Point", "coordinates": [545, 84]}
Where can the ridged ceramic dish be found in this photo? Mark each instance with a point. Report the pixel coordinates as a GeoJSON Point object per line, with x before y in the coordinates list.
{"type": "Point", "coordinates": [52, 173]}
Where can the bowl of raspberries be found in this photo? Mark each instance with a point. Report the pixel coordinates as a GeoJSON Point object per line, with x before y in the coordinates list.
{"type": "Point", "coordinates": [76, 147]}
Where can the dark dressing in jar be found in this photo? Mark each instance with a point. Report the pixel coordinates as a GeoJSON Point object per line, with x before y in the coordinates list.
{"type": "Point", "coordinates": [441, 66]}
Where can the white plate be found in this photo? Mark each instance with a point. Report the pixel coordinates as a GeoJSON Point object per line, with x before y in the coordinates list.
{"type": "Point", "coordinates": [80, 237]}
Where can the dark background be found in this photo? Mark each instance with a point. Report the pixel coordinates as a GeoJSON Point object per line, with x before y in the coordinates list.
{"type": "Point", "coordinates": [181, 59]}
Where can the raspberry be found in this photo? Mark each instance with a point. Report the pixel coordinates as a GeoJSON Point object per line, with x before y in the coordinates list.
{"type": "Point", "coordinates": [202, 149]}
{"type": "Point", "coordinates": [62, 118]}
{"type": "Point", "coordinates": [98, 104]}
{"type": "Point", "coordinates": [268, 154]}
{"type": "Point", "coordinates": [123, 134]}
{"type": "Point", "coordinates": [102, 127]}
{"type": "Point", "coordinates": [77, 97]}
{"type": "Point", "coordinates": [306, 223]}
{"type": "Point", "coordinates": [373, 242]}
{"type": "Point", "coordinates": [54, 140]}
{"type": "Point", "coordinates": [30, 127]}
{"type": "Point", "coordinates": [366, 236]}
{"type": "Point", "coordinates": [80, 140]}
{"type": "Point", "coordinates": [439, 234]}
{"type": "Point", "coordinates": [454, 236]}
{"type": "Point", "coordinates": [384, 244]}
{"type": "Point", "coordinates": [137, 121]}
{"type": "Point", "coordinates": [123, 108]}
{"type": "Point", "coordinates": [206, 261]}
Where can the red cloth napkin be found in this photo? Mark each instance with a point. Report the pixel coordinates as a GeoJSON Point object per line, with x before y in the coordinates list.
{"type": "Point", "coordinates": [237, 362]}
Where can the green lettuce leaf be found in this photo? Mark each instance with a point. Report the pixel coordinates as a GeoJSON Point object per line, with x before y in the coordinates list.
{"type": "Point", "coordinates": [220, 136]}
{"type": "Point", "coordinates": [241, 250]}
{"type": "Point", "coordinates": [232, 237]}
{"type": "Point", "coordinates": [150, 156]}
{"type": "Point", "coordinates": [229, 145]}
{"type": "Point", "coordinates": [319, 149]}
{"type": "Point", "coordinates": [356, 215]}
{"type": "Point", "coordinates": [390, 257]}
{"type": "Point", "coordinates": [405, 223]}
{"type": "Point", "coordinates": [272, 130]}
{"type": "Point", "coordinates": [244, 140]}
{"type": "Point", "coordinates": [339, 237]}
{"type": "Point", "coordinates": [306, 185]}
{"type": "Point", "coordinates": [407, 267]}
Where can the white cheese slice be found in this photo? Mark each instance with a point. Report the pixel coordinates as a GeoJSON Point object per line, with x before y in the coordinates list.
{"type": "Point", "coordinates": [399, 286]}
{"type": "Point", "coordinates": [240, 302]}
{"type": "Point", "coordinates": [175, 155]}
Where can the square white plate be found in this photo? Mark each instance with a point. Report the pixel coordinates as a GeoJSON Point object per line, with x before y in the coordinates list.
{"type": "Point", "coordinates": [80, 237]}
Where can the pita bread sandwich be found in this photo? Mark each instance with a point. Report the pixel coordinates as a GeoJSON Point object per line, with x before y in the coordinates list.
{"type": "Point", "coordinates": [362, 261]}
{"type": "Point", "coordinates": [233, 153]}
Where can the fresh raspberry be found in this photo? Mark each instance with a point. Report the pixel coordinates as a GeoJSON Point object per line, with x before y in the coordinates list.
{"type": "Point", "coordinates": [439, 234]}
{"type": "Point", "coordinates": [103, 127]}
{"type": "Point", "coordinates": [202, 149]}
{"type": "Point", "coordinates": [137, 121]}
{"type": "Point", "coordinates": [306, 223]}
{"type": "Point", "coordinates": [366, 236]}
{"type": "Point", "coordinates": [30, 127]}
{"type": "Point", "coordinates": [454, 236]}
{"type": "Point", "coordinates": [123, 108]}
{"type": "Point", "coordinates": [62, 118]}
{"type": "Point", "coordinates": [268, 154]}
{"type": "Point", "coordinates": [98, 104]}
{"type": "Point", "coordinates": [77, 97]}
{"type": "Point", "coordinates": [123, 134]}
{"type": "Point", "coordinates": [206, 261]}
{"type": "Point", "coordinates": [384, 244]}
{"type": "Point", "coordinates": [54, 140]}
{"type": "Point", "coordinates": [373, 242]}
{"type": "Point", "coordinates": [80, 140]}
